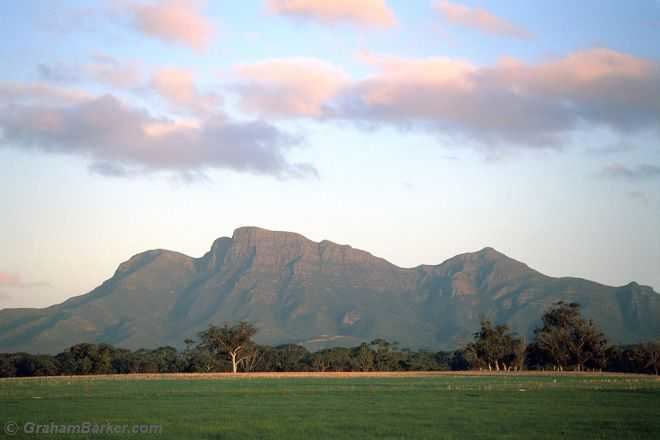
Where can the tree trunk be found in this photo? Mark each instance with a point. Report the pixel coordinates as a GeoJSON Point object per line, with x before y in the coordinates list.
{"type": "Point", "coordinates": [233, 362]}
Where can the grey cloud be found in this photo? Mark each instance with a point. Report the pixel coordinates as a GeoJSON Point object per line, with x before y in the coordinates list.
{"type": "Point", "coordinates": [58, 73]}
{"type": "Point", "coordinates": [109, 169]}
{"type": "Point", "coordinates": [100, 68]}
{"type": "Point", "coordinates": [639, 197]}
{"type": "Point", "coordinates": [121, 140]}
{"type": "Point", "coordinates": [643, 172]}
{"type": "Point", "coordinates": [611, 149]}
{"type": "Point", "coordinates": [487, 114]}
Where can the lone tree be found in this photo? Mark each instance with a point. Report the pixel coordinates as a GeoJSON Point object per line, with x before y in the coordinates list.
{"type": "Point", "coordinates": [495, 348]}
{"type": "Point", "coordinates": [233, 341]}
{"type": "Point", "coordinates": [566, 339]}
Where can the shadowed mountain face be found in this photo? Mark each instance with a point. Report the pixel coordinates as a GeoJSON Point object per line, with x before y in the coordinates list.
{"type": "Point", "coordinates": [319, 294]}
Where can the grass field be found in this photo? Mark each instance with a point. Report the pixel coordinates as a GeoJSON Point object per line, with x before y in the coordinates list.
{"type": "Point", "coordinates": [343, 406]}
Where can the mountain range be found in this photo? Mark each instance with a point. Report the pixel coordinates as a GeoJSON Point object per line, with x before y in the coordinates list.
{"type": "Point", "coordinates": [319, 294]}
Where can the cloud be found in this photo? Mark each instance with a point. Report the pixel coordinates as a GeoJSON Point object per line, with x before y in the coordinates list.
{"type": "Point", "coordinates": [178, 88]}
{"type": "Point", "coordinates": [639, 197]}
{"type": "Point", "coordinates": [38, 93]}
{"type": "Point", "coordinates": [109, 169]}
{"type": "Point", "coordinates": [375, 13]}
{"type": "Point", "coordinates": [611, 149]}
{"type": "Point", "coordinates": [57, 73]}
{"type": "Point", "coordinates": [122, 140]}
{"type": "Point", "coordinates": [14, 280]}
{"type": "Point", "coordinates": [175, 85]}
{"type": "Point", "coordinates": [639, 173]}
{"type": "Point", "coordinates": [511, 102]}
{"type": "Point", "coordinates": [110, 71]}
{"type": "Point", "coordinates": [102, 69]}
{"type": "Point", "coordinates": [480, 19]}
{"type": "Point", "coordinates": [174, 21]}
{"type": "Point", "coordinates": [288, 87]}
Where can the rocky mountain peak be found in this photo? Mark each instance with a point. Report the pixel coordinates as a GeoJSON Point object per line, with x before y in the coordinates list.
{"type": "Point", "coordinates": [276, 249]}
{"type": "Point", "coordinates": [296, 289]}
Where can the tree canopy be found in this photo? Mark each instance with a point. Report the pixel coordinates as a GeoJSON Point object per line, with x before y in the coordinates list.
{"type": "Point", "coordinates": [234, 341]}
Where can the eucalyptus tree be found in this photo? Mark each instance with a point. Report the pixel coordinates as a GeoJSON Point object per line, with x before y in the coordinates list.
{"type": "Point", "coordinates": [232, 341]}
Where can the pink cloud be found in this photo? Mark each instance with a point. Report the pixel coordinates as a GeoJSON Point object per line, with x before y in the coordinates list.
{"type": "Point", "coordinates": [14, 280]}
{"type": "Point", "coordinates": [579, 71]}
{"type": "Point", "coordinates": [177, 86]}
{"type": "Point", "coordinates": [479, 19]}
{"type": "Point", "coordinates": [174, 21]}
{"type": "Point", "coordinates": [289, 87]}
{"type": "Point", "coordinates": [9, 279]}
{"type": "Point", "coordinates": [511, 102]}
{"type": "Point", "coordinates": [364, 12]}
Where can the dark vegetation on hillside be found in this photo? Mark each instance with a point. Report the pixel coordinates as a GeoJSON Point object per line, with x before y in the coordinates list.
{"type": "Point", "coordinates": [564, 341]}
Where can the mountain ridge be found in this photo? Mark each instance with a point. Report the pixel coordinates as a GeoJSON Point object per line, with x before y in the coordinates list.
{"type": "Point", "coordinates": [298, 290]}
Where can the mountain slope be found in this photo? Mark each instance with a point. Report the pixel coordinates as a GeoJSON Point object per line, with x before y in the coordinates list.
{"type": "Point", "coordinates": [297, 290]}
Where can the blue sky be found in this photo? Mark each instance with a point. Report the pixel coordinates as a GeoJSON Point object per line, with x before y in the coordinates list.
{"type": "Point", "coordinates": [415, 130]}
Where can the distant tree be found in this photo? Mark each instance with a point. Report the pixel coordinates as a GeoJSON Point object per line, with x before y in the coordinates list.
{"type": "Point", "coordinates": [458, 361]}
{"type": "Point", "coordinates": [495, 348]}
{"type": "Point", "coordinates": [423, 360]}
{"type": "Point", "coordinates": [252, 358]}
{"type": "Point", "coordinates": [201, 360]}
{"type": "Point", "coordinates": [568, 340]}
{"type": "Point", "coordinates": [290, 357]}
{"type": "Point", "coordinates": [320, 361]}
{"type": "Point", "coordinates": [122, 361]}
{"type": "Point", "coordinates": [363, 357]}
{"type": "Point", "coordinates": [332, 359]}
{"type": "Point", "coordinates": [7, 365]}
{"type": "Point", "coordinates": [443, 360]}
{"type": "Point", "coordinates": [233, 341]}
{"type": "Point", "coordinates": [88, 359]}
{"type": "Point", "coordinates": [386, 355]}
{"type": "Point", "coordinates": [103, 359]}
{"type": "Point", "coordinates": [35, 365]}
{"type": "Point", "coordinates": [67, 363]}
{"type": "Point", "coordinates": [167, 359]}
{"type": "Point", "coordinates": [286, 357]}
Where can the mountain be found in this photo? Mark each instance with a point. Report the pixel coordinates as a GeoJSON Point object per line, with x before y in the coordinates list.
{"type": "Point", "coordinates": [319, 294]}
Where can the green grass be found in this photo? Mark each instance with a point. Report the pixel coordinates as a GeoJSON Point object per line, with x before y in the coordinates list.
{"type": "Point", "coordinates": [449, 407]}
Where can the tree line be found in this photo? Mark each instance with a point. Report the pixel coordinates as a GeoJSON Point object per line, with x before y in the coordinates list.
{"type": "Point", "coordinates": [564, 341]}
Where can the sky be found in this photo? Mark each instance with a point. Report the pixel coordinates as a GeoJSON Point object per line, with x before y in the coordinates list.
{"type": "Point", "coordinates": [416, 130]}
